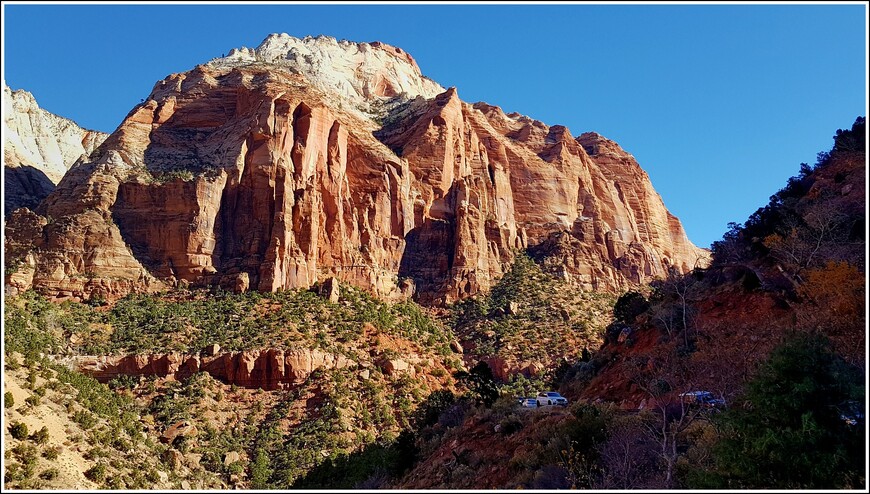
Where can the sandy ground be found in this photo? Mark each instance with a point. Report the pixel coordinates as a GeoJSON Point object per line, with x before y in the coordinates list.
{"type": "Point", "coordinates": [70, 463]}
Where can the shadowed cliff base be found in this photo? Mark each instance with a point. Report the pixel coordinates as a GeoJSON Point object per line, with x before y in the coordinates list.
{"type": "Point", "coordinates": [24, 187]}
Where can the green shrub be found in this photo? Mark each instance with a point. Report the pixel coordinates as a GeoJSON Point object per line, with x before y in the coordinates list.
{"type": "Point", "coordinates": [40, 436]}
{"type": "Point", "coordinates": [792, 436]}
{"type": "Point", "coordinates": [49, 474]}
{"type": "Point", "coordinates": [8, 399]}
{"type": "Point", "coordinates": [51, 453]}
{"type": "Point", "coordinates": [97, 473]}
{"type": "Point", "coordinates": [26, 326]}
{"type": "Point", "coordinates": [14, 473]}
{"type": "Point", "coordinates": [260, 470]}
{"type": "Point", "coordinates": [85, 419]}
{"type": "Point", "coordinates": [25, 453]}
{"type": "Point", "coordinates": [481, 383]}
{"type": "Point", "coordinates": [153, 476]}
{"type": "Point", "coordinates": [428, 412]}
{"type": "Point", "coordinates": [18, 430]}
{"type": "Point", "coordinates": [629, 306]}
{"type": "Point", "coordinates": [509, 425]}
{"type": "Point", "coordinates": [123, 382]}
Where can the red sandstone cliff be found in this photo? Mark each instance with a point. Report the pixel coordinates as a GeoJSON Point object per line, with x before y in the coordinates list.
{"type": "Point", "coordinates": [268, 369]}
{"type": "Point", "coordinates": [250, 172]}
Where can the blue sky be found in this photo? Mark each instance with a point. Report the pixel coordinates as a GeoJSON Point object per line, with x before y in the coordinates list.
{"type": "Point", "coordinates": [719, 103]}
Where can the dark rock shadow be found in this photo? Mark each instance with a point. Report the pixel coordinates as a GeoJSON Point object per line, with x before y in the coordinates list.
{"type": "Point", "coordinates": [25, 187]}
{"type": "Point", "coordinates": [428, 257]}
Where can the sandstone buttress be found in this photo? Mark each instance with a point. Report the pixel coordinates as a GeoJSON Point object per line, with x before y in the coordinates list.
{"type": "Point", "coordinates": [301, 160]}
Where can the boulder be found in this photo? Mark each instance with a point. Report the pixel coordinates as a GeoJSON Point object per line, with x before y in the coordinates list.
{"type": "Point", "coordinates": [192, 459]}
{"type": "Point", "coordinates": [231, 457]}
{"type": "Point", "coordinates": [180, 429]}
{"type": "Point", "coordinates": [212, 350]}
{"type": "Point", "coordinates": [392, 367]}
{"type": "Point", "coordinates": [329, 289]}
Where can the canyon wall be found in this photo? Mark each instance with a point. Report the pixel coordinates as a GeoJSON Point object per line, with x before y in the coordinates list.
{"type": "Point", "coordinates": [250, 173]}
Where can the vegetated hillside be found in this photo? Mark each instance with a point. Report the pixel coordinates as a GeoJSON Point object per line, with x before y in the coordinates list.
{"type": "Point", "coordinates": [797, 264]}
{"type": "Point", "coordinates": [790, 281]}
{"type": "Point", "coordinates": [63, 430]}
{"type": "Point", "coordinates": [531, 322]}
{"type": "Point", "coordinates": [367, 376]}
{"type": "Point", "coordinates": [209, 433]}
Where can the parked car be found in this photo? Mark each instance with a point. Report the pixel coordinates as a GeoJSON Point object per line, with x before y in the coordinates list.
{"type": "Point", "coordinates": [551, 398]}
{"type": "Point", "coordinates": [851, 412]}
{"type": "Point", "coordinates": [528, 403]}
{"type": "Point", "coordinates": [703, 399]}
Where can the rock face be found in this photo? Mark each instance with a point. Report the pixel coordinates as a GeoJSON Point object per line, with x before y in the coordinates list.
{"type": "Point", "coordinates": [302, 160]}
{"type": "Point", "coordinates": [489, 183]}
{"type": "Point", "coordinates": [39, 147]}
{"type": "Point", "coordinates": [267, 369]}
{"type": "Point", "coordinates": [364, 75]}
{"type": "Point", "coordinates": [180, 429]}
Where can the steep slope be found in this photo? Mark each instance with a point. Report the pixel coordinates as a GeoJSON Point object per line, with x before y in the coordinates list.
{"type": "Point", "coordinates": [490, 183]}
{"type": "Point", "coordinates": [297, 376]}
{"type": "Point", "coordinates": [273, 168]}
{"type": "Point", "coordinates": [796, 266]}
{"type": "Point", "coordinates": [38, 148]}
{"type": "Point", "coordinates": [716, 329]}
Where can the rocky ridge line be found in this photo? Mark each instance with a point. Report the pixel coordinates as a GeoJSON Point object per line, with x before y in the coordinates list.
{"type": "Point", "coordinates": [38, 148]}
{"type": "Point", "coordinates": [252, 176]}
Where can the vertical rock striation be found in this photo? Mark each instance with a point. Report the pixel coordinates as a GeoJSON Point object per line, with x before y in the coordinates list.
{"type": "Point", "coordinates": [306, 159]}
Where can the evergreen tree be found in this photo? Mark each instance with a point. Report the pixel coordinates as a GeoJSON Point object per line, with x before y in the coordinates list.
{"type": "Point", "coordinates": [791, 433]}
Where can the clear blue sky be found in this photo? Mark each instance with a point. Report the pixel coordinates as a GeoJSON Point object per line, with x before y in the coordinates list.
{"type": "Point", "coordinates": [719, 103]}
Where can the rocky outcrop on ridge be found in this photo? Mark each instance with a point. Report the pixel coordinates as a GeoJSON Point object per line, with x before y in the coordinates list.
{"type": "Point", "coordinates": [268, 369]}
{"type": "Point", "coordinates": [253, 172]}
{"type": "Point", "coordinates": [38, 148]}
{"type": "Point", "coordinates": [368, 78]}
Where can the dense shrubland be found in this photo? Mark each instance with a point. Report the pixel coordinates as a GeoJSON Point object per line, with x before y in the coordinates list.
{"type": "Point", "coordinates": [530, 315]}
{"type": "Point", "coordinates": [277, 436]}
{"type": "Point", "coordinates": [188, 321]}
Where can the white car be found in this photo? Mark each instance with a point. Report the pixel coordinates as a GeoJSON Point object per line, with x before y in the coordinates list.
{"type": "Point", "coordinates": [528, 403]}
{"type": "Point", "coordinates": [551, 398]}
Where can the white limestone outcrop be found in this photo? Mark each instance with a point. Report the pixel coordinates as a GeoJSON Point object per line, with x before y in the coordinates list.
{"type": "Point", "coordinates": [364, 74]}
{"type": "Point", "coordinates": [38, 138]}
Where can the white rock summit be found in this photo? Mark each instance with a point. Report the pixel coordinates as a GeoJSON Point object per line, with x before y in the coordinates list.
{"type": "Point", "coordinates": [38, 148]}
{"type": "Point", "coordinates": [39, 138]}
{"type": "Point", "coordinates": [362, 73]}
